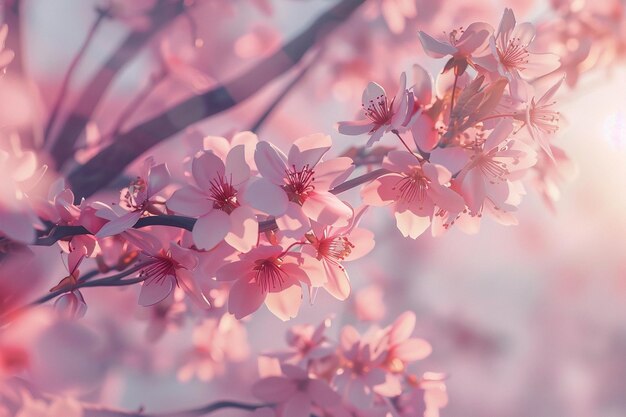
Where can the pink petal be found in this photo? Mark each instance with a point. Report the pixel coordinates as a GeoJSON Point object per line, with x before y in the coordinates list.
{"type": "Point", "coordinates": [382, 191]}
{"type": "Point", "coordinates": [119, 225]}
{"type": "Point", "coordinates": [402, 327]}
{"type": "Point", "coordinates": [413, 350]}
{"type": "Point", "coordinates": [244, 229]}
{"type": "Point", "coordinates": [294, 223]}
{"type": "Point", "coordinates": [286, 303]}
{"type": "Point", "coordinates": [211, 229]}
{"type": "Point", "coordinates": [190, 201]}
{"type": "Point", "coordinates": [327, 208]}
{"type": "Point", "coordinates": [357, 127]}
{"type": "Point", "coordinates": [425, 135]}
{"type": "Point", "coordinates": [338, 284]}
{"type": "Point", "coordinates": [185, 257]}
{"type": "Point", "coordinates": [329, 174]}
{"type": "Point", "coordinates": [233, 271]}
{"type": "Point", "coordinates": [275, 389]}
{"type": "Point", "coordinates": [244, 299]}
{"type": "Point", "coordinates": [372, 93]}
{"type": "Point", "coordinates": [507, 24]}
{"type": "Point", "coordinates": [500, 133]}
{"type": "Point", "coordinates": [525, 32]}
{"type": "Point", "coordinates": [298, 405]}
{"type": "Point", "coordinates": [271, 162]}
{"type": "Point", "coordinates": [363, 241]}
{"type": "Point", "coordinates": [422, 85]}
{"type": "Point", "coordinates": [308, 150]}
{"type": "Point", "coordinates": [154, 290]}
{"type": "Point", "coordinates": [158, 178]}
{"type": "Point", "coordinates": [474, 189]}
{"type": "Point", "coordinates": [434, 48]}
{"type": "Point", "coordinates": [191, 288]}
{"type": "Point", "coordinates": [237, 169]}
{"type": "Point", "coordinates": [265, 196]}
{"type": "Point", "coordinates": [411, 225]}
{"type": "Point", "coordinates": [475, 38]}
{"type": "Point", "coordinates": [206, 168]}
{"type": "Point", "coordinates": [323, 395]}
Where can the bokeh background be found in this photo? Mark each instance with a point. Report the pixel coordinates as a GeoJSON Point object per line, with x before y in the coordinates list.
{"type": "Point", "coordinates": [527, 320]}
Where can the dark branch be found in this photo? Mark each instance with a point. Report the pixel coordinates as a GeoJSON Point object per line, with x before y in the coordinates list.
{"type": "Point", "coordinates": [111, 161]}
{"type": "Point", "coordinates": [63, 148]}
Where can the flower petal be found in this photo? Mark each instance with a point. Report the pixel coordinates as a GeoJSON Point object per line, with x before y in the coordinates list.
{"type": "Point", "coordinates": [327, 208]}
{"type": "Point", "coordinates": [308, 150]}
{"type": "Point", "coordinates": [154, 290]}
{"type": "Point", "coordinates": [244, 229]}
{"type": "Point", "coordinates": [264, 195]}
{"type": "Point", "coordinates": [210, 229]}
{"type": "Point", "coordinates": [435, 48]}
{"type": "Point", "coordinates": [286, 303]}
{"type": "Point", "coordinates": [205, 168]}
{"type": "Point", "coordinates": [189, 201]}
{"type": "Point", "coordinates": [244, 299]}
{"type": "Point", "coordinates": [271, 162]}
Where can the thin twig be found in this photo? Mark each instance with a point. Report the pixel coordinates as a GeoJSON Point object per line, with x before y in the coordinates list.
{"type": "Point", "coordinates": [102, 14]}
{"type": "Point", "coordinates": [94, 411]}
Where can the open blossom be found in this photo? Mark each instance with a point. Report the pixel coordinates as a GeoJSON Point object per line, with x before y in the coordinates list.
{"type": "Point", "coordinates": [465, 46]}
{"type": "Point", "coordinates": [216, 201]}
{"type": "Point", "coordinates": [137, 198]}
{"type": "Point", "coordinates": [493, 167]}
{"type": "Point", "coordinates": [268, 275]}
{"type": "Point", "coordinates": [166, 265]}
{"type": "Point", "coordinates": [515, 61]}
{"type": "Point", "coordinates": [306, 342]}
{"type": "Point", "coordinates": [540, 119]}
{"type": "Point", "coordinates": [332, 246]}
{"type": "Point", "coordinates": [296, 188]}
{"type": "Point", "coordinates": [382, 114]}
{"type": "Point", "coordinates": [296, 393]}
{"type": "Point", "coordinates": [216, 343]}
{"type": "Point", "coordinates": [414, 189]}
{"type": "Point", "coordinates": [401, 348]}
{"type": "Point", "coordinates": [362, 375]}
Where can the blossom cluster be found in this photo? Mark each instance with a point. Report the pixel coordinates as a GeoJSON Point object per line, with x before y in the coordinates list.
{"type": "Point", "coordinates": [361, 374]}
{"type": "Point", "coordinates": [478, 132]}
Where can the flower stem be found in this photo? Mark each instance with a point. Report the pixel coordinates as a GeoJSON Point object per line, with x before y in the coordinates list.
{"type": "Point", "coordinates": [395, 132]}
{"type": "Point", "coordinates": [93, 411]}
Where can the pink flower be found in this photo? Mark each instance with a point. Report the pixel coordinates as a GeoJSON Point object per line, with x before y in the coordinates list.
{"type": "Point", "coordinates": [493, 167]}
{"type": "Point", "coordinates": [381, 114]}
{"type": "Point", "coordinates": [414, 189]}
{"type": "Point", "coordinates": [511, 48]}
{"type": "Point", "coordinates": [464, 49]}
{"type": "Point", "coordinates": [401, 348]}
{"type": "Point", "coordinates": [540, 119]}
{"type": "Point", "coordinates": [137, 198]}
{"type": "Point", "coordinates": [216, 201]}
{"type": "Point", "coordinates": [295, 188]}
{"type": "Point", "coordinates": [307, 342]}
{"type": "Point", "coordinates": [296, 393]}
{"type": "Point", "coordinates": [332, 246]}
{"type": "Point", "coordinates": [216, 343]}
{"type": "Point", "coordinates": [268, 275]}
{"type": "Point", "coordinates": [425, 398]}
{"type": "Point", "coordinates": [362, 375]}
{"type": "Point", "coordinates": [165, 268]}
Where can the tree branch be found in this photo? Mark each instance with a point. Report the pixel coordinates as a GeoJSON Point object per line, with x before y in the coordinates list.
{"type": "Point", "coordinates": [182, 222]}
{"type": "Point", "coordinates": [111, 161]}
{"type": "Point", "coordinates": [63, 148]}
{"type": "Point", "coordinates": [93, 411]}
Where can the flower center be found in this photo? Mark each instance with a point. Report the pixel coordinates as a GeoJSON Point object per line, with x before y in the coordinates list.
{"type": "Point", "coordinates": [413, 186]}
{"type": "Point", "coordinates": [379, 110]}
{"type": "Point", "coordinates": [335, 249]}
{"type": "Point", "coordinates": [299, 183]}
{"type": "Point", "coordinates": [544, 118]}
{"type": "Point", "coordinates": [135, 195]}
{"type": "Point", "coordinates": [495, 171]}
{"type": "Point", "coordinates": [223, 194]}
{"type": "Point", "coordinates": [159, 268]}
{"type": "Point", "coordinates": [514, 56]}
{"type": "Point", "coordinates": [268, 274]}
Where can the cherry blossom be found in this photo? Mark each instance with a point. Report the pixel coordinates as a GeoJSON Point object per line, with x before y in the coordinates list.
{"type": "Point", "coordinates": [382, 115]}
{"type": "Point", "coordinates": [296, 393]}
{"type": "Point", "coordinates": [296, 188]}
{"type": "Point", "coordinates": [216, 201]}
{"type": "Point", "coordinates": [268, 274]}
{"type": "Point", "coordinates": [414, 189]}
{"type": "Point", "coordinates": [71, 304]}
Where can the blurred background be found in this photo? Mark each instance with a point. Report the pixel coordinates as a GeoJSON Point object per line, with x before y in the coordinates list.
{"type": "Point", "coordinates": [526, 320]}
